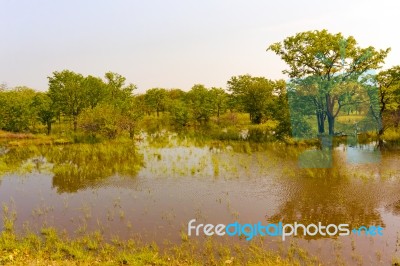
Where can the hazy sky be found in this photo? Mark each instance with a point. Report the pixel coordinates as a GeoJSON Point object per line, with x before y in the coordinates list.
{"type": "Point", "coordinates": [174, 44]}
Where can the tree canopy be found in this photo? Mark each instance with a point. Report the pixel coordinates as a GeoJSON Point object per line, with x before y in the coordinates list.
{"type": "Point", "coordinates": [326, 66]}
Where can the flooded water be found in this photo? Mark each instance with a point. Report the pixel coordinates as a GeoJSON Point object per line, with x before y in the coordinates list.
{"type": "Point", "coordinates": [151, 190]}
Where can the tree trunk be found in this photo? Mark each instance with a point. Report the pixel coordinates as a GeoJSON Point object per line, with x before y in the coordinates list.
{"type": "Point", "coordinates": [330, 102]}
{"type": "Point", "coordinates": [75, 123]}
{"type": "Point", "coordinates": [380, 140]}
{"type": "Point", "coordinates": [131, 132]}
{"type": "Point", "coordinates": [48, 128]}
{"type": "Point", "coordinates": [331, 124]}
{"type": "Point", "coordinates": [257, 118]}
{"type": "Point", "coordinates": [321, 120]}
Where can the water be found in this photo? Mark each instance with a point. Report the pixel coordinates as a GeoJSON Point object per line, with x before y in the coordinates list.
{"type": "Point", "coordinates": [152, 190]}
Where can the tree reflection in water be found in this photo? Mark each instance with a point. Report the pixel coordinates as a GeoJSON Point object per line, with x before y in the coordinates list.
{"type": "Point", "coordinates": [344, 193]}
{"type": "Point", "coordinates": [78, 166]}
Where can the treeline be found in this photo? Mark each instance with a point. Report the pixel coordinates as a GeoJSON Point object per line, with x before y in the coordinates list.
{"type": "Point", "coordinates": [72, 96]}
{"type": "Point", "coordinates": [109, 106]}
{"type": "Point", "coordinates": [324, 68]}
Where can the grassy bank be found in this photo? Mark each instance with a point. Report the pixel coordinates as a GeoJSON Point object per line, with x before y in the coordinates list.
{"type": "Point", "coordinates": [50, 247]}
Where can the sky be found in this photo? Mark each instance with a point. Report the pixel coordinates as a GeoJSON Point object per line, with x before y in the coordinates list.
{"type": "Point", "coordinates": [174, 44]}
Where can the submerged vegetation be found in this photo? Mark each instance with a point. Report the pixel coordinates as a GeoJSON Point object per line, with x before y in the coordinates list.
{"type": "Point", "coordinates": [51, 247]}
{"type": "Point", "coordinates": [174, 167]}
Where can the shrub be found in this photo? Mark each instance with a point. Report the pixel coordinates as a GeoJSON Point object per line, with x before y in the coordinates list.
{"type": "Point", "coordinates": [263, 132]}
{"type": "Point", "coordinates": [103, 120]}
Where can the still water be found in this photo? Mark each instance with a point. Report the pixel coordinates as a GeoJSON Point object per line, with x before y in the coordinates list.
{"type": "Point", "coordinates": [151, 190]}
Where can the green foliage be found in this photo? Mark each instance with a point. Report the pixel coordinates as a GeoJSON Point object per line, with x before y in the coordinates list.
{"type": "Point", "coordinates": [73, 94]}
{"type": "Point", "coordinates": [118, 91]}
{"type": "Point", "coordinates": [68, 93]}
{"type": "Point", "coordinates": [325, 68]}
{"type": "Point", "coordinates": [109, 120]}
{"type": "Point", "coordinates": [230, 133]}
{"type": "Point", "coordinates": [262, 132]}
{"type": "Point", "coordinates": [97, 91]}
{"type": "Point", "coordinates": [219, 100]}
{"type": "Point", "coordinates": [16, 114]}
{"type": "Point", "coordinates": [392, 136]}
{"type": "Point", "coordinates": [102, 119]}
{"type": "Point", "coordinates": [44, 109]}
{"type": "Point", "coordinates": [325, 54]}
{"type": "Point", "coordinates": [200, 102]}
{"type": "Point", "coordinates": [324, 64]}
{"type": "Point", "coordinates": [79, 166]}
{"type": "Point", "coordinates": [180, 113]}
{"type": "Point", "coordinates": [156, 99]}
{"type": "Point", "coordinates": [279, 110]}
{"type": "Point", "coordinates": [255, 95]}
{"type": "Point", "coordinates": [389, 97]}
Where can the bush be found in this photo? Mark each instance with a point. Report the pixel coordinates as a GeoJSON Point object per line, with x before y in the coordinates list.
{"type": "Point", "coordinates": [229, 133]}
{"type": "Point", "coordinates": [263, 132]}
{"type": "Point", "coordinates": [180, 114]}
{"type": "Point", "coordinates": [103, 120]}
{"type": "Point", "coordinates": [392, 135]}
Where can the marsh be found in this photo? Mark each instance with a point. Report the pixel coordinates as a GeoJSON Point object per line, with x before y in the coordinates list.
{"type": "Point", "coordinates": [149, 190]}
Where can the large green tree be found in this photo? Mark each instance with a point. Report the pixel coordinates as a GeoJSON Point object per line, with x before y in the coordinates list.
{"type": "Point", "coordinates": [199, 100]}
{"type": "Point", "coordinates": [156, 99]}
{"type": "Point", "coordinates": [117, 89]}
{"type": "Point", "coordinates": [16, 113]}
{"type": "Point", "coordinates": [96, 89]}
{"type": "Point", "coordinates": [329, 59]}
{"type": "Point", "coordinates": [219, 101]}
{"type": "Point", "coordinates": [132, 110]}
{"type": "Point", "coordinates": [67, 91]}
{"type": "Point", "coordinates": [253, 94]}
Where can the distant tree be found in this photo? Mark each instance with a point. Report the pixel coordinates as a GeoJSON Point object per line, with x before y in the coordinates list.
{"type": "Point", "coordinates": [131, 113]}
{"type": "Point", "coordinates": [67, 91]}
{"type": "Point", "coordinates": [200, 102]}
{"type": "Point", "coordinates": [96, 89]}
{"type": "Point", "coordinates": [177, 106]}
{"type": "Point", "coordinates": [109, 120]}
{"type": "Point", "coordinates": [180, 113]}
{"type": "Point", "coordinates": [219, 101]}
{"type": "Point", "coordinates": [102, 119]}
{"type": "Point", "coordinates": [3, 106]}
{"type": "Point", "coordinates": [176, 94]}
{"type": "Point", "coordinates": [118, 90]}
{"type": "Point", "coordinates": [44, 108]}
{"type": "Point", "coordinates": [253, 95]}
{"type": "Point", "coordinates": [156, 99]}
{"type": "Point", "coordinates": [172, 97]}
{"type": "Point", "coordinates": [141, 100]}
{"type": "Point", "coordinates": [233, 103]}
{"type": "Point", "coordinates": [16, 113]}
